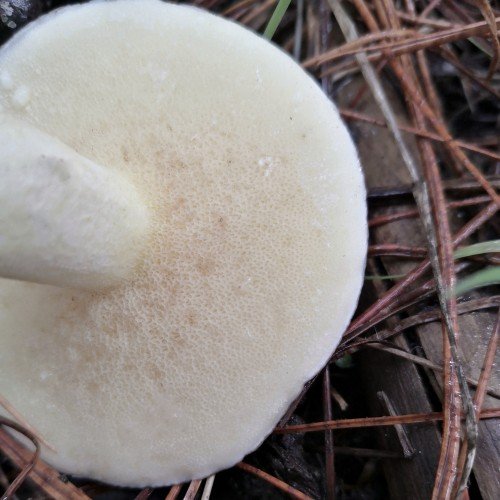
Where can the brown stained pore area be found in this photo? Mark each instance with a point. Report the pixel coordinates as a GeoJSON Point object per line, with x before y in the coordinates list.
{"type": "Point", "coordinates": [206, 266]}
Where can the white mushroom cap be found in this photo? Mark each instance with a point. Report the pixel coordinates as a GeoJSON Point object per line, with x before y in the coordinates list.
{"type": "Point", "coordinates": [257, 248]}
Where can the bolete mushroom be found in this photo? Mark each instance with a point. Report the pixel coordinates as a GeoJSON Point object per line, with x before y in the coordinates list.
{"type": "Point", "coordinates": [164, 344]}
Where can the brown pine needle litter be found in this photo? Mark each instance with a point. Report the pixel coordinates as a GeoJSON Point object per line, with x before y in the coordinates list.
{"type": "Point", "coordinates": [418, 83]}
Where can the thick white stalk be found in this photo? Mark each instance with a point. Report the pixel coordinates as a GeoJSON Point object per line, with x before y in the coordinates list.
{"type": "Point", "coordinates": [64, 220]}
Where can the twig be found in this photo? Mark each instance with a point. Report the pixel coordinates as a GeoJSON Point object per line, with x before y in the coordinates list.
{"type": "Point", "coordinates": [22, 421]}
{"type": "Point", "coordinates": [144, 494]}
{"type": "Point", "coordinates": [425, 21]}
{"type": "Point", "coordinates": [419, 360]}
{"type": "Point", "coordinates": [299, 28]}
{"type": "Point", "coordinates": [487, 12]}
{"type": "Point", "coordinates": [356, 115]}
{"type": "Point", "coordinates": [235, 10]}
{"type": "Point", "coordinates": [466, 461]}
{"type": "Point", "coordinates": [358, 423]}
{"type": "Point", "coordinates": [404, 47]}
{"type": "Point", "coordinates": [194, 486]}
{"type": "Point", "coordinates": [380, 220]}
{"type": "Point", "coordinates": [21, 477]}
{"type": "Point", "coordinates": [404, 440]}
{"type": "Point", "coordinates": [45, 477]}
{"type": "Point", "coordinates": [355, 46]}
{"type": "Point", "coordinates": [329, 451]}
{"type": "Point", "coordinates": [207, 490]}
{"type": "Point", "coordinates": [429, 8]}
{"type": "Point", "coordinates": [339, 399]}
{"type": "Point", "coordinates": [396, 250]}
{"type": "Point", "coordinates": [404, 324]}
{"type": "Point", "coordinates": [257, 11]}
{"type": "Point", "coordinates": [286, 488]}
{"type": "Point", "coordinates": [393, 293]}
{"type": "Point", "coordinates": [4, 481]}
{"type": "Point", "coordinates": [461, 186]}
{"type": "Point", "coordinates": [449, 56]}
{"type": "Point", "coordinates": [174, 492]}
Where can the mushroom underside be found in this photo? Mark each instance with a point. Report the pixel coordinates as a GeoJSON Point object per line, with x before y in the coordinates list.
{"type": "Point", "coordinates": [254, 257]}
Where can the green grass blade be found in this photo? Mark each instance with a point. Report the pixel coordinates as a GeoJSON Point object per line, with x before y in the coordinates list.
{"type": "Point", "coordinates": [276, 18]}
{"type": "Point", "coordinates": [492, 246]}
{"type": "Point", "coordinates": [484, 277]}
{"type": "Point", "coordinates": [482, 48]}
{"type": "Point", "coordinates": [344, 362]}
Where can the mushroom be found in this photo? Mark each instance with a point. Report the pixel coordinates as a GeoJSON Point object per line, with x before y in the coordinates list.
{"type": "Point", "coordinates": [165, 343]}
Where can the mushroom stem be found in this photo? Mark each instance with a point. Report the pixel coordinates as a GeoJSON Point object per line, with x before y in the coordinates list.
{"type": "Point", "coordinates": [64, 220]}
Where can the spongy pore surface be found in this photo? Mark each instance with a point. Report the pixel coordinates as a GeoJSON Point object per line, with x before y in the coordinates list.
{"type": "Point", "coordinates": [255, 260]}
